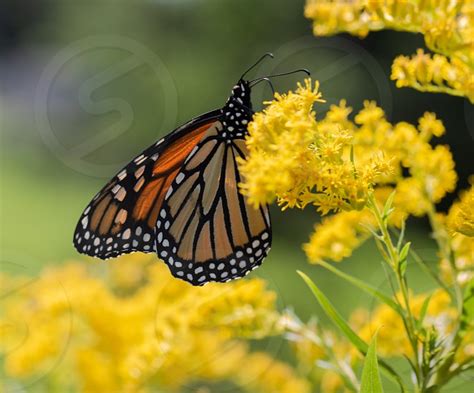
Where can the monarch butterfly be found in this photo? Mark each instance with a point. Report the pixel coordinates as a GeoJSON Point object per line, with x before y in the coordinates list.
{"type": "Point", "coordinates": [180, 199]}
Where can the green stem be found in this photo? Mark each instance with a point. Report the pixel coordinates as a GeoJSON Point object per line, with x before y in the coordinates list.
{"type": "Point", "coordinates": [443, 373]}
{"type": "Point", "coordinates": [426, 268]}
{"type": "Point", "coordinates": [446, 253]}
{"type": "Point", "coordinates": [392, 252]}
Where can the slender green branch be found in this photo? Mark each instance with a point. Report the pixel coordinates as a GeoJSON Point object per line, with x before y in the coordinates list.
{"type": "Point", "coordinates": [425, 267]}
{"type": "Point", "coordinates": [409, 321]}
{"type": "Point", "coordinates": [444, 245]}
{"type": "Point", "coordinates": [446, 253]}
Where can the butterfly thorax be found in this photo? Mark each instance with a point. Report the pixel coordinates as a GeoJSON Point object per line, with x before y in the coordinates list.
{"type": "Point", "coordinates": [237, 112]}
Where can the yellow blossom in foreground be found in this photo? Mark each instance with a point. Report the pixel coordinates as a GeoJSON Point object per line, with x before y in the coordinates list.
{"type": "Point", "coordinates": [140, 332]}
{"type": "Point", "coordinates": [315, 349]}
{"type": "Point", "coordinates": [261, 373]}
{"type": "Point", "coordinates": [294, 159]}
{"type": "Point", "coordinates": [447, 27]}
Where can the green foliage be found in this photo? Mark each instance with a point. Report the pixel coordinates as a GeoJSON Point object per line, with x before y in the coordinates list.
{"type": "Point", "coordinates": [333, 314]}
{"type": "Point", "coordinates": [337, 319]}
{"type": "Point", "coordinates": [372, 291]}
{"type": "Point", "coordinates": [370, 381]}
{"type": "Point", "coordinates": [467, 318]}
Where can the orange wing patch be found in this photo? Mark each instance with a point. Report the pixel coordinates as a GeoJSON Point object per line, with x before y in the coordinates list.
{"type": "Point", "coordinates": [175, 154]}
{"type": "Point", "coordinates": [165, 170]}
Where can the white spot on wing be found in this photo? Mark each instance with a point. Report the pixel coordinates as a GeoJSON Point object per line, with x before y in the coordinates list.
{"type": "Point", "coordinates": [179, 178]}
{"type": "Point", "coordinates": [140, 159]}
{"type": "Point", "coordinates": [126, 234]}
{"type": "Point", "coordinates": [121, 194]}
{"type": "Point", "coordinates": [122, 174]}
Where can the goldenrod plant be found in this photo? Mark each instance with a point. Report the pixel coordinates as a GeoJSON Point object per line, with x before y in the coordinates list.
{"type": "Point", "coordinates": [131, 327]}
{"type": "Point", "coordinates": [137, 329]}
{"type": "Point", "coordinates": [447, 27]}
{"type": "Point", "coordinates": [367, 176]}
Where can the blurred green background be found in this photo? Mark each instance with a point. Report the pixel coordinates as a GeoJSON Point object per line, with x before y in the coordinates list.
{"type": "Point", "coordinates": [85, 86]}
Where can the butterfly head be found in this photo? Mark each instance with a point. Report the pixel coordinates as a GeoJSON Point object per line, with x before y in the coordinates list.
{"type": "Point", "coordinates": [237, 112]}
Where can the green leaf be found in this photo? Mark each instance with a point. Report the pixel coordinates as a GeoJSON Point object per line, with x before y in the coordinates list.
{"type": "Point", "coordinates": [401, 236]}
{"type": "Point", "coordinates": [365, 287]}
{"type": "Point", "coordinates": [467, 317]}
{"type": "Point", "coordinates": [337, 319]}
{"type": "Point", "coordinates": [424, 309]}
{"type": "Point", "coordinates": [371, 381]}
{"type": "Point", "coordinates": [332, 313]}
{"type": "Point", "coordinates": [388, 205]}
{"type": "Point", "coordinates": [372, 231]}
{"type": "Point", "coordinates": [404, 252]}
{"type": "Point", "coordinates": [402, 259]}
{"type": "Point", "coordinates": [402, 266]}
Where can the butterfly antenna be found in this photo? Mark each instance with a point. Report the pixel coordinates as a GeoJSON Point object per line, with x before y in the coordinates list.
{"type": "Point", "coordinates": [268, 54]}
{"type": "Point", "coordinates": [264, 79]}
{"type": "Point", "coordinates": [253, 82]}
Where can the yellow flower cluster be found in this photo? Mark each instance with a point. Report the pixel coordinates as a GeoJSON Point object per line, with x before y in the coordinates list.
{"type": "Point", "coordinates": [463, 259]}
{"type": "Point", "coordinates": [137, 329]}
{"type": "Point", "coordinates": [461, 214]}
{"type": "Point", "coordinates": [434, 73]}
{"type": "Point", "coordinates": [431, 175]}
{"type": "Point", "coordinates": [338, 235]}
{"type": "Point", "coordinates": [457, 230]}
{"type": "Point", "coordinates": [298, 161]}
{"type": "Point", "coordinates": [446, 25]}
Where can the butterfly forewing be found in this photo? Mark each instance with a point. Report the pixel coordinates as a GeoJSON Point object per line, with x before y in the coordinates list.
{"type": "Point", "coordinates": [122, 216]}
{"type": "Point", "coordinates": [206, 231]}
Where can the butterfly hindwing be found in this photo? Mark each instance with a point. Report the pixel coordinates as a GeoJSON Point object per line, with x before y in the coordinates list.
{"type": "Point", "coordinates": [122, 216]}
{"type": "Point", "coordinates": [206, 231]}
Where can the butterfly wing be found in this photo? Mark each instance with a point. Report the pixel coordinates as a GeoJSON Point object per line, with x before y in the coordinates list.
{"type": "Point", "coordinates": [122, 216]}
{"type": "Point", "coordinates": [206, 231]}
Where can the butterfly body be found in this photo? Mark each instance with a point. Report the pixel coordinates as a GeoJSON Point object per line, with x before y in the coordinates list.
{"type": "Point", "coordinates": [180, 199]}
